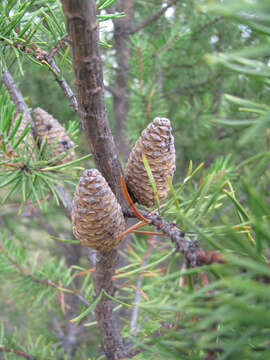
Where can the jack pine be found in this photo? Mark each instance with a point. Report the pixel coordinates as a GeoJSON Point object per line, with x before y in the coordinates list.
{"type": "Point", "coordinates": [97, 217]}
{"type": "Point", "coordinates": [50, 130]}
{"type": "Point", "coordinates": [157, 144]}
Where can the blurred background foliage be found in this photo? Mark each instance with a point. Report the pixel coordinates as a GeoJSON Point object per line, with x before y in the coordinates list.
{"type": "Point", "coordinates": [206, 66]}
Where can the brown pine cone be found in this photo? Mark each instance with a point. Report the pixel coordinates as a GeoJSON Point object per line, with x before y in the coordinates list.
{"type": "Point", "coordinates": [29, 138]}
{"type": "Point", "coordinates": [50, 129]}
{"type": "Point", "coordinates": [157, 144]}
{"type": "Point", "coordinates": [97, 217]}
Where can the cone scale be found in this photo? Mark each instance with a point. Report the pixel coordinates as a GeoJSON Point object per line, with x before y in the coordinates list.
{"type": "Point", "coordinates": [157, 144]}
{"type": "Point", "coordinates": [50, 130]}
{"type": "Point", "coordinates": [97, 217]}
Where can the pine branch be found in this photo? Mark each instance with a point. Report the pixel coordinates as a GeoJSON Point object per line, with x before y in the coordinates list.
{"type": "Point", "coordinates": [20, 104]}
{"type": "Point", "coordinates": [17, 352]}
{"type": "Point", "coordinates": [194, 255]}
{"type": "Point", "coordinates": [58, 46]}
{"type": "Point", "coordinates": [65, 205]}
{"type": "Point", "coordinates": [152, 18]}
{"type": "Point", "coordinates": [191, 86]}
{"type": "Point", "coordinates": [17, 98]}
{"type": "Point", "coordinates": [47, 59]}
{"type": "Point", "coordinates": [44, 282]}
{"type": "Point", "coordinates": [62, 82]}
{"type": "Point", "coordinates": [204, 27]}
{"type": "Point", "coordinates": [25, 273]}
{"type": "Point", "coordinates": [71, 252]}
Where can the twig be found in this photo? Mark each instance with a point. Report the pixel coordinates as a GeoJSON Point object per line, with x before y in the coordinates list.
{"type": "Point", "coordinates": [83, 300]}
{"type": "Point", "coordinates": [16, 352]}
{"type": "Point", "coordinates": [62, 83]}
{"type": "Point", "coordinates": [205, 26]}
{"type": "Point", "coordinates": [58, 46]}
{"type": "Point", "coordinates": [21, 270]}
{"type": "Point", "coordinates": [17, 98]}
{"type": "Point", "coordinates": [111, 90]}
{"type": "Point", "coordinates": [65, 205]}
{"type": "Point", "coordinates": [44, 282]}
{"type": "Point", "coordinates": [45, 225]}
{"type": "Point", "coordinates": [194, 255]}
{"type": "Point", "coordinates": [43, 57]}
{"type": "Point", "coordinates": [191, 86]}
{"type": "Point", "coordinates": [152, 18]}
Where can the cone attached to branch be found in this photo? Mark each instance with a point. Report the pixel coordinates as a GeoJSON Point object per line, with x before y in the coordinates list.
{"type": "Point", "coordinates": [97, 217]}
{"type": "Point", "coordinates": [157, 144]}
{"type": "Point", "coordinates": [50, 130]}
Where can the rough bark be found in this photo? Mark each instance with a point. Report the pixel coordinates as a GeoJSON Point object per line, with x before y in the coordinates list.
{"type": "Point", "coordinates": [83, 31]}
{"type": "Point", "coordinates": [87, 66]}
{"type": "Point", "coordinates": [112, 342]}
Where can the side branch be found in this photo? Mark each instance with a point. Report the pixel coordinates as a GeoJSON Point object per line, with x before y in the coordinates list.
{"type": "Point", "coordinates": [20, 104]}
{"type": "Point", "coordinates": [16, 352]}
{"type": "Point", "coordinates": [194, 255]}
{"type": "Point", "coordinates": [152, 18]}
{"type": "Point", "coordinates": [47, 59]}
{"type": "Point", "coordinates": [62, 82]}
{"type": "Point", "coordinates": [17, 98]}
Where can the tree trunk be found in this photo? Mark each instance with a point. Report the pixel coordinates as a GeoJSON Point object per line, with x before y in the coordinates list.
{"type": "Point", "coordinates": [87, 66]}
{"type": "Point", "coordinates": [83, 31]}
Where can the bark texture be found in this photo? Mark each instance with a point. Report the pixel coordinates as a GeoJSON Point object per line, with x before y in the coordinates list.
{"type": "Point", "coordinates": [87, 66]}
{"type": "Point", "coordinates": [83, 31]}
{"type": "Point", "coordinates": [112, 342]}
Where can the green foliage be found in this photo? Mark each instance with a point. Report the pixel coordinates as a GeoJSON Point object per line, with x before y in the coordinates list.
{"type": "Point", "coordinates": [251, 61]}
{"type": "Point", "coordinates": [205, 66]}
{"type": "Point", "coordinates": [27, 169]}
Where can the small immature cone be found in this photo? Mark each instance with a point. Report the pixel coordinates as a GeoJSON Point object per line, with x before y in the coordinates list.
{"type": "Point", "coordinates": [50, 128]}
{"type": "Point", "coordinates": [157, 144]}
{"type": "Point", "coordinates": [97, 217]}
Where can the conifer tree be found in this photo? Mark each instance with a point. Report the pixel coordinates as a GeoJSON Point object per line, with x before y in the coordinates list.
{"type": "Point", "coordinates": [189, 279]}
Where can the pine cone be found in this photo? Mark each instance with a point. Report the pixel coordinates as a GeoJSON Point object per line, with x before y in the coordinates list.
{"type": "Point", "coordinates": [28, 139]}
{"type": "Point", "coordinates": [48, 127]}
{"type": "Point", "coordinates": [157, 144]}
{"type": "Point", "coordinates": [96, 214]}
